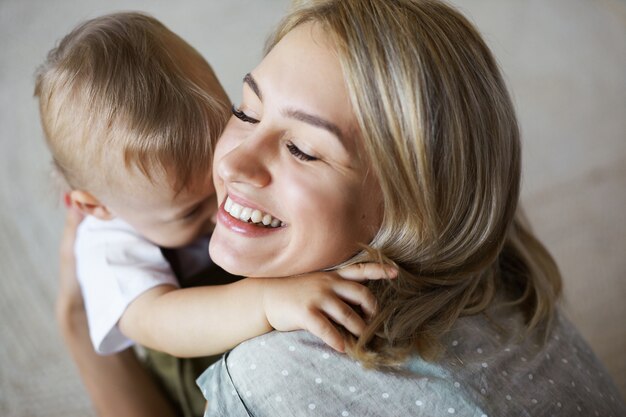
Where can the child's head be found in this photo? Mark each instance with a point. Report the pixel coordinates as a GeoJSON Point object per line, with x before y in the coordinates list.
{"type": "Point", "coordinates": [131, 112]}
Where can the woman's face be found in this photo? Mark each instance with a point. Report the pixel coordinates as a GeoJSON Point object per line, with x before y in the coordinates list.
{"type": "Point", "coordinates": [289, 157]}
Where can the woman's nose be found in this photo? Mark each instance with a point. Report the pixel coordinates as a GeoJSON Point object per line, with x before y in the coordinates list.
{"type": "Point", "coordinates": [244, 164]}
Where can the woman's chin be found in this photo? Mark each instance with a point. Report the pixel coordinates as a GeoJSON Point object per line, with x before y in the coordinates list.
{"type": "Point", "coordinates": [237, 259]}
{"type": "Point", "coordinates": [230, 261]}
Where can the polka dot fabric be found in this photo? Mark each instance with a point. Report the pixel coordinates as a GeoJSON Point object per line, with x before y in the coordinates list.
{"type": "Point", "coordinates": [485, 371]}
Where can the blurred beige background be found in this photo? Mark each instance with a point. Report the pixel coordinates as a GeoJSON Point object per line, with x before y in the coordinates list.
{"type": "Point", "coordinates": [564, 60]}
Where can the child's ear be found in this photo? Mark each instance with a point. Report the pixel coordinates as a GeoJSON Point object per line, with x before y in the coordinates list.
{"type": "Point", "coordinates": [88, 204]}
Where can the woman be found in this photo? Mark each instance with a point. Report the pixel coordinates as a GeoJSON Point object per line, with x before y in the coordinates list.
{"type": "Point", "coordinates": [384, 129]}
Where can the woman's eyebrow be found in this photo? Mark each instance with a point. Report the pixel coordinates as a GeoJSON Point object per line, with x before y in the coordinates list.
{"type": "Point", "coordinates": [315, 121]}
{"type": "Point", "coordinates": [249, 79]}
{"type": "Point", "coordinates": [299, 114]}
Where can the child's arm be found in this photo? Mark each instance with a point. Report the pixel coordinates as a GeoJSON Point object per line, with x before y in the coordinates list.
{"type": "Point", "coordinates": [212, 319]}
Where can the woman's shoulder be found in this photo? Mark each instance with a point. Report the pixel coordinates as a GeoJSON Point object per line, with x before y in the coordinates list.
{"type": "Point", "coordinates": [485, 371]}
{"type": "Point", "coordinates": [549, 371]}
{"type": "Point", "coordinates": [295, 373]}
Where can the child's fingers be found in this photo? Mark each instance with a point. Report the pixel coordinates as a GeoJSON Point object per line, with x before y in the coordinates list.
{"type": "Point", "coordinates": [357, 294]}
{"type": "Point", "coordinates": [342, 314]}
{"type": "Point", "coordinates": [320, 326]}
{"type": "Point", "coordinates": [367, 271]}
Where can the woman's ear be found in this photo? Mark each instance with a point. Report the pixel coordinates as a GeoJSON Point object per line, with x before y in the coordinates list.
{"type": "Point", "coordinates": [89, 205]}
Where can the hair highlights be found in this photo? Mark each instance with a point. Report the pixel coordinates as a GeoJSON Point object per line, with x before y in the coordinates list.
{"type": "Point", "coordinates": [440, 131]}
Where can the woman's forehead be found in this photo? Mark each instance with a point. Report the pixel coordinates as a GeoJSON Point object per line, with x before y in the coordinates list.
{"type": "Point", "coordinates": [302, 73]}
{"type": "Point", "coordinates": [305, 57]}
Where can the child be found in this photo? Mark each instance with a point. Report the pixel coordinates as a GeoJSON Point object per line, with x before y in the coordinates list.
{"type": "Point", "coordinates": [131, 112]}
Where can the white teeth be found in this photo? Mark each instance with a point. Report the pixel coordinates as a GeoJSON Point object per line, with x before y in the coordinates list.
{"type": "Point", "coordinates": [245, 214]}
{"type": "Point", "coordinates": [235, 210]}
{"type": "Point", "coordinates": [248, 214]}
{"type": "Point", "coordinates": [256, 216]}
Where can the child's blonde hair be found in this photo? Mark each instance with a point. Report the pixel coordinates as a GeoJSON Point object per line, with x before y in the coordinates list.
{"type": "Point", "coordinates": [122, 91]}
{"type": "Point", "coordinates": [440, 131]}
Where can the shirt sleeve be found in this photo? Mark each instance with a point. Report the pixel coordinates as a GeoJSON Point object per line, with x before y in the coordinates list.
{"type": "Point", "coordinates": [223, 398]}
{"type": "Point", "coordinates": [115, 265]}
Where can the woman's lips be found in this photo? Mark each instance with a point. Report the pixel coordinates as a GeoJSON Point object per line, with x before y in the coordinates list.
{"type": "Point", "coordinates": [243, 227]}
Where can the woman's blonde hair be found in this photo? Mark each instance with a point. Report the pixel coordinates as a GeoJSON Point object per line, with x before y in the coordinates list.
{"type": "Point", "coordinates": [122, 90]}
{"type": "Point", "coordinates": [440, 131]}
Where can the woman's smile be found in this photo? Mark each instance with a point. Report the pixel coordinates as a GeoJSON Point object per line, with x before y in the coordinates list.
{"type": "Point", "coordinates": [242, 217]}
{"type": "Point", "coordinates": [245, 213]}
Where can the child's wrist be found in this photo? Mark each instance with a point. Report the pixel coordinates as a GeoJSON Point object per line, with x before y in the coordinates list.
{"type": "Point", "coordinates": [263, 286]}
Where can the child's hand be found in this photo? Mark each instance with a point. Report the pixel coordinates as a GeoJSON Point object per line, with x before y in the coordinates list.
{"type": "Point", "coordinates": [310, 301]}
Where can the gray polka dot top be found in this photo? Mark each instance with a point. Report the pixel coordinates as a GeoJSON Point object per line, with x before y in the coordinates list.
{"type": "Point", "coordinates": [486, 370]}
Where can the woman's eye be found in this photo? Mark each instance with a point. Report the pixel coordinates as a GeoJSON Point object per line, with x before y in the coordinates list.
{"type": "Point", "coordinates": [242, 116]}
{"type": "Point", "coordinates": [295, 151]}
